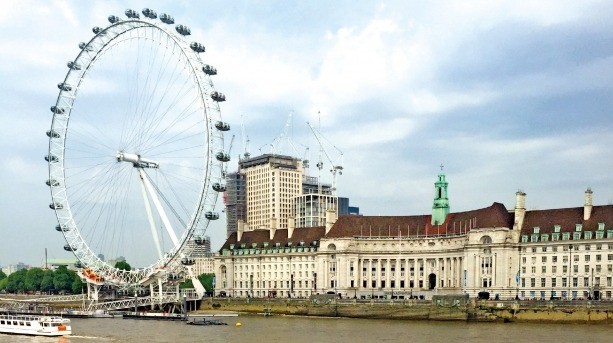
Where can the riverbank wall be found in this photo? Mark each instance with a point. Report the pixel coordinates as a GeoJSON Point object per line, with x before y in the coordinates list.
{"type": "Point", "coordinates": [477, 311]}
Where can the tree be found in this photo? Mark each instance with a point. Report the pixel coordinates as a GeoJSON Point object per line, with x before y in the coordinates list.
{"type": "Point", "coordinates": [16, 281]}
{"type": "Point", "coordinates": [34, 278]}
{"type": "Point", "coordinates": [186, 284]}
{"type": "Point", "coordinates": [123, 265]}
{"type": "Point", "coordinates": [2, 275]}
{"type": "Point", "coordinates": [207, 281]}
{"type": "Point", "coordinates": [62, 280]}
{"type": "Point", "coordinates": [46, 284]}
{"type": "Point", "coordinates": [77, 284]}
{"type": "Point", "coordinates": [3, 283]}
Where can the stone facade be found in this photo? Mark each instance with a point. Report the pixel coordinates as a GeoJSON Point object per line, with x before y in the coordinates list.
{"type": "Point", "coordinates": [509, 254]}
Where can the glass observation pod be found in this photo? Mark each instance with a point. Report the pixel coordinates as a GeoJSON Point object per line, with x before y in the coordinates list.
{"type": "Point", "coordinates": [79, 265]}
{"type": "Point", "coordinates": [52, 183]}
{"type": "Point", "coordinates": [73, 65]}
{"type": "Point", "coordinates": [222, 126]}
{"type": "Point", "coordinates": [166, 18]}
{"type": "Point", "coordinates": [63, 86]}
{"type": "Point", "coordinates": [218, 96]}
{"type": "Point", "coordinates": [114, 19]}
{"type": "Point", "coordinates": [149, 13]}
{"type": "Point", "coordinates": [61, 228]}
{"type": "Point", "coordinates": [85, 47]}
{"type": "Point", "coordinates": [209, 70]}
{"type": "Point", "coordinates": [97, 29]}
{"type": "Point", "coordinates": [211, 215]}
{"type": "Point", "coordinates": [132, 14]}
{"type": "Point", "coordinates": [199, 240]}
{"type": "Point", "coordinates": [67, 247]}
{"type": "Point", "coordinates": [56, 206]}
{"type": "Point", "coordinates": [51, 158]}
{"type": "Point", "coordinates": [218, 187]}
{"type": "Point", "coordinates": [222, 156]}
{"type": "Point", "coordinates": [186, 261]}
{"type": "Point", "coordinates": [197, 47]}
{"type": "Point", "coordinates": [53, 134]}
{"type": "Point", "coordinates": [57, 110]}
{"type": "Point", "coordinates": [183, 30]}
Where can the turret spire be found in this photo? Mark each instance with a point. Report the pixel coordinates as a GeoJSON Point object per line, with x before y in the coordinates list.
{"type": "Point", "coordinates": [440, 208]}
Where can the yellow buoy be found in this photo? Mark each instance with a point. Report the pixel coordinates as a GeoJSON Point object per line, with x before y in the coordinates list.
{"type": "Point", "coordinates": [239, 324]}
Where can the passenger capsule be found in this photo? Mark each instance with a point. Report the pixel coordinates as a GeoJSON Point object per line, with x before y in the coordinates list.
{"type": "Point", "coordinates": [67, 247]}
{"type": "Point", "coordinates": [57, 110]}
{"type": "Point", "coordinates": [63, 86]}
{"type": "Point", "coordinates": [97, 29]}
{"type": "Point", "coordinates": [132, 14]}
{"type": "Point", "coordinates": [73, 65]}
{"type": "Point", "coordinates": [52, 183]}
{"type": "Point", "coordinates": [211, 215]}
{"type": "Point", "coordinates": [222, 126]}
{"type": "Point", "coordinates": [218, 187]}
{"type": "Point", "coordinates": [209, 70]}
{"type": "Point", "coordinates": [53, 134]}
{"type": "Point", "coordinates": [56, 206]}
{"type": "Point", "coordinates": [114, 19]}
{"type": "Point", "coordinates": [149, 13]}
{"type": "Point", "coordinates": [222, 156]}
{"type": "Point", "coordinates": [217, 96]}
{"type": "Point", "coordinates": [79, 265]}
{"type": "Point", "coordinates": [183, 30]}
{"type": "Point", "coordinates": [85, 47]}
{"type": "Point", "coordinates": [187, 261]}
{"type": "Point", "coordinates": [166, 18]}
{"type": "Point", "coordinates": [197, 47]}
{"type": "Point", "coordinates": [51, 158]}
{"type": "Point", "coordinates": [61, 228]}
{"type": "Point", "coordinates": [200, 240]}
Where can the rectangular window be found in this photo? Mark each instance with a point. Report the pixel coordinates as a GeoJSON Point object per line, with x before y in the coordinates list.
{"type": "Point", "coordinates": [532, 282]}
{"type": "Point", "coordinates": [544, 258]}
{"type": "Point", "coordinates": [542, 282]}
{"type": "Point", "coordinates": [564, 282]}
{"type": "Point", "coordinates": [575, 282]}
{"type": "Point", "coordinates": [554, 259]}
{"type": "Point", "coordinates": [587, 258]}
{"type": "Point", "coordinates": [554, 269]}
{"type": "Point", "coordinates": [554, 282]}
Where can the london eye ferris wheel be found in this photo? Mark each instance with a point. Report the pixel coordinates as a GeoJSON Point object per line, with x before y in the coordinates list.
{"type": "Point", "coordinates": [136, 153]}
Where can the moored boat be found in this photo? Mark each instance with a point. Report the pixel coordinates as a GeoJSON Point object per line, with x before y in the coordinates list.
{"type": "Point", "coordinates": [35, 325]}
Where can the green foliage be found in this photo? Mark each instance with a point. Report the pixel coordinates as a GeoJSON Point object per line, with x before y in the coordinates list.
{"type": "Point", "coordinates": [207, 281]}
{"type": "Point", "coordinates": [123, 265]}
{"type": "Point", "coordinates": [77, 284]}
{"type": "Point", "coordinates": [62, 279]}
{"type": "Point", "coordinates": [34, 278]}
{"type": "Point", "coordinates": [46, 284]}
{"type": "Point", "coordinates": [16, 281]}
{"type": "Point", "coordinates": [2, 275]}
{"type": "Point", "coordinates": [186, 284]}
{"type": "Point", "coordinates": [3, 283]}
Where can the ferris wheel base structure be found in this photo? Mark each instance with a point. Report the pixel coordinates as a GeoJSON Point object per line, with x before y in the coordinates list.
{"type": "Point", "coordinates": [139, 169]}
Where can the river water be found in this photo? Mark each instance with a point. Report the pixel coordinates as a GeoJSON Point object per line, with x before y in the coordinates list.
{"type": "Point", "coordinates": [314, 330]}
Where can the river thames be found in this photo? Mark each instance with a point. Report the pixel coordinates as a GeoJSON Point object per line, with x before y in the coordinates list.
{"type": "Point", "coordinates": [312, 330]}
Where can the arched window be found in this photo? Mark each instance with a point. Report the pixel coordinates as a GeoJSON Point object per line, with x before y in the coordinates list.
{"type": "Point", "coordinates": [331, 247]}
{"type": "Point", "coordinates": [486, 240]}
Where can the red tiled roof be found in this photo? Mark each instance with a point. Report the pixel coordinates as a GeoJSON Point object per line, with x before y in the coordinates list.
{"type": "Point", "coordinates": [567, 218]}
{"type": "Point", "coordinates": [305, 234]}
{"type": "Point", "coordinates": [348, 226]}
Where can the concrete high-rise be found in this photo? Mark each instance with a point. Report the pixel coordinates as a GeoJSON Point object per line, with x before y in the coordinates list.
{"type": "Point", "coordinates": [272, 182]}
{"type": "Point", "coordinates": [235, 199]}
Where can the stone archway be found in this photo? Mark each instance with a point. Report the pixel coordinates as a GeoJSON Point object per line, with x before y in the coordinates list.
{"type": "Point", "coordinates": [431, 281]}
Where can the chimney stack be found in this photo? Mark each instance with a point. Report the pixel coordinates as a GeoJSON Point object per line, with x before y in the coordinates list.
{"type": "Point", "coordinates": [331, 217]}
{"type": "Point", "coordinates": [240, 229]}
{"type": "Point", "coordinates": [520, 209]}
{"type": "Point", "coordinates": [587, 207]}
{"type": "Point", "coordinates": [273, 227]}
{"type": "Point", "coordinates": [291, 225]}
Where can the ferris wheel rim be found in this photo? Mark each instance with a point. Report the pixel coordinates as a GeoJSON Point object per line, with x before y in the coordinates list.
{"type": "Point", "coordinates": [60, 202]}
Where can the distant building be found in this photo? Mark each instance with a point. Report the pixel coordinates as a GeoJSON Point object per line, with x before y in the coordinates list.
{"type": "Point", "coordinates": [235, 200]}
{"type": "Point", "coordinates": [10, 269]}
{"type": "Point", "coordinates": [272, 183]}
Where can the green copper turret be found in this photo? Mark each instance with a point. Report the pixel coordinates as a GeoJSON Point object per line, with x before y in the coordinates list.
{"type": "Point", "coordinates": [440, 209]}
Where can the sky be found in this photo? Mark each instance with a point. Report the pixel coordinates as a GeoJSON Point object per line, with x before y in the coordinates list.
{"type": "Point", "coordinates": [506, 95]}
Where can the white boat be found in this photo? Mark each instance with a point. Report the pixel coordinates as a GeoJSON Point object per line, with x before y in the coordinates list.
{"type": "Point", "coordinates": [35, 325]}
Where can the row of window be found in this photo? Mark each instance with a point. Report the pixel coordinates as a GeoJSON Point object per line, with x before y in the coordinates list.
{"type": "Point", "coordinates": [563, 282]}
{"type": "Point", "coordinates": [565, 236]}
{"type": "Point", "coordinates": [576, 258]}
{"type": "Point", "coordinates": [554, 269]}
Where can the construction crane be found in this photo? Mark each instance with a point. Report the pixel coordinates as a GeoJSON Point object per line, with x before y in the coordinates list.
{"type": "Point", "coordinates": [336, 168]}
{"type": "Point", "coordinates": [245, 140]}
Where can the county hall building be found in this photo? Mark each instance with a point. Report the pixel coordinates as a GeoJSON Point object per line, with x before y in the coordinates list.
{"type": "Point", "coordinates": [561, 253]}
